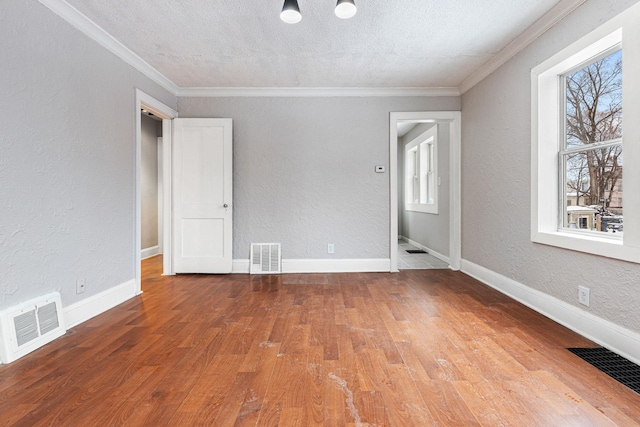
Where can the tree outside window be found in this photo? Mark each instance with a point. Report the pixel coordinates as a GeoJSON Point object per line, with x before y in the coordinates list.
{"type": "Point", "coordinates": [592, 152]}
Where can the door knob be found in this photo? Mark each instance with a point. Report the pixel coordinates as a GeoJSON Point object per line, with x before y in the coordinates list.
{"type": "Point", "coordinates": [225, 206]}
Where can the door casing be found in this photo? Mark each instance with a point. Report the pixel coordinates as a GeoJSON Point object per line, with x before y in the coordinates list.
{"type": "Point", "coordinates": [455, 215]}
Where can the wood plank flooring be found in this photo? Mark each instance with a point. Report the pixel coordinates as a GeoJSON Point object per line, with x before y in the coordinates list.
{"type": "Point", "coordinates": [416, 348]}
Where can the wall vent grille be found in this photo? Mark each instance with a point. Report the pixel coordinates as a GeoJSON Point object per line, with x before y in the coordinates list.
{"type": "Point", "coordinates": [30, 325]}
{"type": "Point", "coordinates": [265, 258]}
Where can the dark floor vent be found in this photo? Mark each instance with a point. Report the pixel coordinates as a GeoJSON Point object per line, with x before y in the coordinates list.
{"type": "Point", "coordinates": [617, 367]}
{"type": "Point", "coordinates": [415, 251]}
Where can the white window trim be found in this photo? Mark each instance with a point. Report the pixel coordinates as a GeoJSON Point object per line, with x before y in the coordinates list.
{"type": "Point", "coordinates": [430, 208]}
{"type": "Point", "coordinates": [546, 134]}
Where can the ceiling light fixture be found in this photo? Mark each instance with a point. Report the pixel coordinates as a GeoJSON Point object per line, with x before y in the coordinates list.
{"type": "Point", "coordinates": [291, 12]}
{"type": "Point", "coordinates": [346, 9]}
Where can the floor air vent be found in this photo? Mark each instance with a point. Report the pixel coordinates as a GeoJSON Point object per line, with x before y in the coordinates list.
{"type": "Point", "coordinates": [30, 325]}
{"type": "Point", "coordinates": [265, 258]}
{"type": "Point", "coordinates": [617, 367]}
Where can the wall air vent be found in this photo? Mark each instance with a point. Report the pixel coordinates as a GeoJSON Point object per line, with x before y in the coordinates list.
{"type": "Point", "coordinates": [265, 258]}
{"type": "Point", "coordinates": [30, 325]}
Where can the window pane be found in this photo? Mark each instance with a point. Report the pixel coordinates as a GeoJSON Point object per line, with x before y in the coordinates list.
{"type": "Point", "coordinates": [593, 181]}
{"type": "Point", "coordinates": [424, 163]}
{"type": "Point", "coordinates": [426, 172]}
{"type": "Point", "coordinates": [594, 102]}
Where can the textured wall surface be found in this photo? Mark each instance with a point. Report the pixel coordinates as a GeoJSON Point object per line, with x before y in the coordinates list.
{"type": "Point", "coordinates": [496, 176]}
{"type": "Point", "coordinates": [432, 230]}
{"type": "Point", "coordinates": [67, 163]}
{"type": "Point", "coordinates": [149, 180]}
{"type": "Point", "coordinates": [304, 171]}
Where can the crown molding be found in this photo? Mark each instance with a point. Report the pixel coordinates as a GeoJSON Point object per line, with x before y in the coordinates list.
{"type": "Point", "coordinates": [548, 20]}
{"type": "Point", "coordinates": [315, 91]}
{"type": "Point", "coordinates": [95, 32]}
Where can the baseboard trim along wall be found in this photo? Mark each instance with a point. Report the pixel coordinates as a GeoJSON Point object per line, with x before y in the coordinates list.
{"type": "Point", "coordinates": [149, 252]}
{"type": "Point", "coordinates": [98, 304]}
{"type": "Point", "coordinates": [616, 338]}
{"type": "Point", "coordinates": [428, 250]}
{"type": "Point", "coordinates": [381, 265]}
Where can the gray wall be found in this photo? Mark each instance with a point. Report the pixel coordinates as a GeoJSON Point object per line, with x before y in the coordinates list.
{"type": "Point", "coordinates": [150, 130]}
{"type": "Point", "coordinates": [304, 170]}
{"type": "Point", "coordinates": [496, 176]}
{"type": "Point", "coordinates": [67, 163]}
{"type": "Point", "coordinates": [430, 230]}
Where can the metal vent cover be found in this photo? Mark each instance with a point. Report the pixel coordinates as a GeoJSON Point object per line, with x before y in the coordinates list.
{"type": "Point", "coordinates": [48, 318]}
{"type": "Point", "coordinates": [265, 258]}
{"type": "Point", "coordinates": [617, 367]}
{"type": "Point", "coordinates": [30, 325]}
{"type": "Point", "coordinates": [26, 327]}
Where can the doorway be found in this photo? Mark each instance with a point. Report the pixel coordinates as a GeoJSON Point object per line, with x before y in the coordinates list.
{"type": "Point", "coordinates": [166, 113]}
{"type": "Point", "coordinates": [406, 128]}
{"type": "Point", "coordinates": [151, 184]}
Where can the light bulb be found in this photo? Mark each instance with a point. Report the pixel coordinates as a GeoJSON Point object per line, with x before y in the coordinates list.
{"type": "Point", "coordinates": [291, 12]}
{"type": "Point", "coordinates": [345, 9]}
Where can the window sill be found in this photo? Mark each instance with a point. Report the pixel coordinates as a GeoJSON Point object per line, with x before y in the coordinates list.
{"type": "Point", "coordinates": [603, 246]}
{"type": "Point", "coordinates": [430, 209]}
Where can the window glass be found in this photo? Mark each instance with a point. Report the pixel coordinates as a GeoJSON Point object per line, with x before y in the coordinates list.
{"type": "Point", "coordinates": [592, 154]}
{"type": "Point", "coordinates": [594, 102]}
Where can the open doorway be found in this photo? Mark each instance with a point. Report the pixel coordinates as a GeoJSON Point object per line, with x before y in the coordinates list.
{"type": "Point", "coordinates": [425, 189]}
{"type": "Point", "coordinates": [151, 184]}
{"type": "Point", "coordinates": [166, 113]}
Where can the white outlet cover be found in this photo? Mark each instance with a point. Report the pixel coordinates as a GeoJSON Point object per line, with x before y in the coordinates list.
{"type": "Point", "coordinates": [80, 285]}
{"type": "Point", "coordinates": [583, 295]}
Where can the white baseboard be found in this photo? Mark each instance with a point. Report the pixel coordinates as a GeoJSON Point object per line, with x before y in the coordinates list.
{"type": "Point", "coordinates": [428, 250]}
{"type": "Point", "coordinates": [99, 303]}
{"type": "Point", "coordinates": [323, 265]}
{"type": "Point", "coordinates": [149, 252]}
{"type": "Point", "coordinates": [616, 338]}
{"type": "Point", "coordinates": [240, 266]}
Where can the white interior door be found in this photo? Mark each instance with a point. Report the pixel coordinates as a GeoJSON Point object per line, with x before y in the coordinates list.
{"type": "Point", "coordinates": [202, 195]}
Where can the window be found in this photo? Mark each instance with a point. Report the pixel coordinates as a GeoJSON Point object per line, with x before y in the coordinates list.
{"type": "Point", "coordinates": [421, 189]}
{"type": "Point", "coordinates": [591, 153]}
{"type": "Point", "coordinates": [578, 97]}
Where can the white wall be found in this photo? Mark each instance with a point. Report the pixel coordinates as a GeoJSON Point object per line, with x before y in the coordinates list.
{"type": "Point", "coordinates": [67, 163]}
{"type": "Point", "coordinates": [430, 230]}
{"type": "Point", "coordinates": [496, 174]}
{"type": "Point", "coordinates": [304, 171]}
{"type": "Point", "coordinates": [150, 129]}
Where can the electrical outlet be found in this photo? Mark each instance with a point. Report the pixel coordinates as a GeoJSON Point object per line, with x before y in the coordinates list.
{"type": "Point", "coordinates": [330, 248]}
{"type": "Point", "coordinates": [583, 295]}
{"type": "Point", "coordinates": [80, 285]}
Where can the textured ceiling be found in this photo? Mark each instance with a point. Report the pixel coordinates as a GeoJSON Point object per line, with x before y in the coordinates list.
{"type": "Point", "coordinates": [243, 43]}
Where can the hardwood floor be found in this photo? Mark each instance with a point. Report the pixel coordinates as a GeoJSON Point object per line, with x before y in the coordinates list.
{"type": "Point", "coordinates": [416, 348]}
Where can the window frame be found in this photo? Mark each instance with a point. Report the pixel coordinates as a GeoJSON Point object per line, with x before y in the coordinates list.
{"type": "Point", "coordinates": [547, 140]}
{"type": "Point", "coordinates": [429, 137]}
